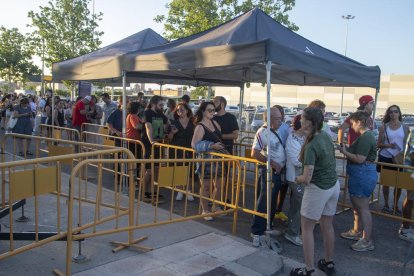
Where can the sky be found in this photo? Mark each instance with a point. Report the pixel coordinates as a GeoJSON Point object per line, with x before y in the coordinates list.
{"type": "Point", "coordinates": [382, 32]}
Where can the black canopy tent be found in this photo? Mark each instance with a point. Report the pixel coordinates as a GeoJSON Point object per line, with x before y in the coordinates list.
{"type": "Point", "coordinates": [250, 48]}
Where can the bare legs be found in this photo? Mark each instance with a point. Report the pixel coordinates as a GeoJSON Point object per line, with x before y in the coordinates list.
{"type": "Point", "coordinates": [362, 214]}
{"type": "Point", "coordinates": [328, 236]}
{"type": "Point", "coordinates": [205, 191]}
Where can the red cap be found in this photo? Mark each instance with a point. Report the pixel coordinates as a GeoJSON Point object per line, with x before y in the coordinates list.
{"type": "Point", "coordinates": [365, 99]}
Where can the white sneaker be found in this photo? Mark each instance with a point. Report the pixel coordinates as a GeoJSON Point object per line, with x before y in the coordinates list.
{"type": "Point", "coordinates": [296, 240]}
{"type": "Point", "coordinates": [207, 218]}
{"type": "Point", "coordinates": [406, 234]}
{"type": "Point", "coordinates": [179, 196]}
{"type": "Point", "coordinates": [256, 240]}
{"type": "Point", "coordinates": [190, 198]}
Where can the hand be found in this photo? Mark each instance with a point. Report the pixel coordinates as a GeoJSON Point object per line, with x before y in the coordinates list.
{"type": "Point", "coordinates": [174, 130]}
{"type": "Point", "coordinates": [276, 166]}
{"type": "Point", "coordinates": [300, 179]}
{"type": "Point", "coordinates": [217, 146]}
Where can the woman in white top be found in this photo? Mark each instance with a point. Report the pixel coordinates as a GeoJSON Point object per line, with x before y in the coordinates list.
{"type": "Point", "coordinates": [294, 143]}
{"type": "Point", "coordinates": [392, 140]}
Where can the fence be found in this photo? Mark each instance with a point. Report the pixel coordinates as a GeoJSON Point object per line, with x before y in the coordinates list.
{"type": "Point", "coordinates": [61, 133]}
{"type": "Point", "coordinates": [33, 180]}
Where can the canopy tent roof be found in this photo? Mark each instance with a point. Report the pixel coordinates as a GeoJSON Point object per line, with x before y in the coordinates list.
{"type": "Point", "coordinates": [104, 64]}
{"type": "Point", "coordinates": [237, 51]}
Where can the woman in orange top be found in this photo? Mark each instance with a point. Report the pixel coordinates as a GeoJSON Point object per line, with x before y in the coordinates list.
{"type": "Point", "coordinates": [133, 128]}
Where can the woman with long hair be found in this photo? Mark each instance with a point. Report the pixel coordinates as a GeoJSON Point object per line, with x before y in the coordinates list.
{"type": "Point", "coordinates": [362, 179]}
{"type": "Point", "coordinates": [207, 137]}
{"type": "Point", "coordinates": [392, 138]}
{"type": "Point", "coordinates": [134, 126]}
{"type": "Point", "coordinates": [180, 134]}
{"type": "Point", "coordinates": [321, 191]}
{"type": "Point", "coordinates": [23, 113]}
{"type": "Point", "coordinates": [294, 143]}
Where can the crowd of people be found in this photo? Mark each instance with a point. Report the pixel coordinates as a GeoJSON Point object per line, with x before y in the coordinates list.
{"type": "Point", "coordinates": [302, 158]}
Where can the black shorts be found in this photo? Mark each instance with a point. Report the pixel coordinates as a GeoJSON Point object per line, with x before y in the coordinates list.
{"type": "Point", "coordinates": [157, 155]}
{"type": "Point", "coordinates": [384, 159]}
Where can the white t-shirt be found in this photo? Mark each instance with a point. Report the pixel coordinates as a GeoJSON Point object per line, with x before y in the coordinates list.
{"type": "Point", "coordinates": [394, 137]}
{"type": "Point", "coordinates": [277, 152]}
{"type": "Point", "coordinates": [294, 144]}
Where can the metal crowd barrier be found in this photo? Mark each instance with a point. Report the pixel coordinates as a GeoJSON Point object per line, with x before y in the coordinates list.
{"type": "Point", "coordinates": [57, 132]}
{"type": "Point", "coordinates": [34, 180]}
{"type": "Point", "coordinates": [168, 178]}
{"type": "Point", "coordinates": [95, 128]}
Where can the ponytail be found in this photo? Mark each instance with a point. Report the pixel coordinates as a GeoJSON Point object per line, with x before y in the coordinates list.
{"type": "Point", "coordinates": [315, 116]}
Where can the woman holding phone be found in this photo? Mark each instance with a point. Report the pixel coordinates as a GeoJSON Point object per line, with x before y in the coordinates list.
{"type": "Point", "coordinates": [181, 133]}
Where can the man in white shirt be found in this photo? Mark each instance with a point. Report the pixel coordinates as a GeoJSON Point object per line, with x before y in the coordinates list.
{"type": "Point", "coordinates": [108, 107]}
{"type": "Point", "coordinates": [277, 162]}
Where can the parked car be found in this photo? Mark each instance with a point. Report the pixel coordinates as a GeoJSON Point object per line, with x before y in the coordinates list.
{"type": "Point", "coordinates": [257, 121]}
{"type": "Point", "coordinates": [232, 108]}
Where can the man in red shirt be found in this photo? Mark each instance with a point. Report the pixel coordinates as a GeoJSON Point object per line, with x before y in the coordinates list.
{"type": "Point", "coordinates": [367, 104]}
{"type": "Point", "coordinates": [79, 114]}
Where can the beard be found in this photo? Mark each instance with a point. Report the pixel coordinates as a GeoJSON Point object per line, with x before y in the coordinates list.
{"type": "Point", "coordinates": [218, 108]}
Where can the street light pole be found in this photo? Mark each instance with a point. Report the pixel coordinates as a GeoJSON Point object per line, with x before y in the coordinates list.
{"type": "Point", "coordinates": [347, 18]}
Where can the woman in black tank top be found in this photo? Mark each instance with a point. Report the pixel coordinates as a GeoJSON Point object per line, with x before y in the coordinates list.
{"type": "Point", "coordinates": [208, 130]}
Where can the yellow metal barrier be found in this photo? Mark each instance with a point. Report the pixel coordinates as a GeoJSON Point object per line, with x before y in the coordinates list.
{"type": "Point", "coordinates": [60, 133]}
{"type": "Point", "coordinates": [34, 180]}
{"type": "Point", "coordinates": [133, 209]}
{"type": "Point", "coordinates": [95, 128]}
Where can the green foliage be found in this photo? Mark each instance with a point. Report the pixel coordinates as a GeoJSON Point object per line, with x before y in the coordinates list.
{"type": "Point", "coordinates": [65, 29]}
{"type": "Point", "coordinates": [199, 91]}
{"type": "Point", "coordinates": [15, 56]}
{"type": "Point", "coordinates": [62, 93]}
{"type": "Point", "coordinates": [187, 17]}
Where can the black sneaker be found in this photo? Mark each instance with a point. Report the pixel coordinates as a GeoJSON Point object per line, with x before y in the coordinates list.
{"type": "Point", "coordinates": [301, 271]}
{"type": "Point", "coordinates": [327, 267]}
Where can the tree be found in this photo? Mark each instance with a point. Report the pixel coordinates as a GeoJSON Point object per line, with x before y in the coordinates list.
{"type": "Point", "coordinates": [199, 91]}
{"type": "Point", "coordinates": [187, 17]}
{"type": "Point", "coordinates": [65, 29]}
{"type": "Point", "coordinates": [15, 56]}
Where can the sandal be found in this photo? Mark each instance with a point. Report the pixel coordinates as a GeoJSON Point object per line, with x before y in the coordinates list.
{"type": "Point", "coordinates": [29, 152]}
{"type": "Point", "coordinates": [327, 267]}
{"type": "Point", "coordinates": [301, 271]}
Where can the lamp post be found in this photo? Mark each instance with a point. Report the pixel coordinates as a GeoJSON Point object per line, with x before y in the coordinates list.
{"type": "Point", "coordinates": [347, 18]}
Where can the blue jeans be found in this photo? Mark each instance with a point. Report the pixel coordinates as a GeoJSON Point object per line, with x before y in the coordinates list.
{"type": "Point", "coordinates": [362, 179]}
{"type": "Point", "coordinates": [259, 223]}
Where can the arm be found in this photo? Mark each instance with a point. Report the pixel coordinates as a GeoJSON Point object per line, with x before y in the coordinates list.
{"type": "Point", "coordinates": [381, 143]}
{"type": "Point", "coordinates": [231, 136]}
{"type": "Point", "coordinates": [356, 158]}
{"type": "Point", "coordinates": [343, 128]}
{"type": "Point", "coordinates": [256, 154]}
{"type": "Point", "coordinates": [148, 129]}
{"type": "Point", "coordinates": [114, 130]}
{"type": "Point", "coordinates": [306, 177]}
{"type": "Point", "coordinates": [55, 117]}
{"type": "Point", "coordinates": [197, 136]}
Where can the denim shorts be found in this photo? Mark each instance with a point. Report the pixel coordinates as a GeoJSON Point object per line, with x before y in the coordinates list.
{"type": "Point", "coordinates": [362, 179]}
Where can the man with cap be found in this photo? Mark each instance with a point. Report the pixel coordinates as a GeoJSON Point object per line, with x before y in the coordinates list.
{"type": "Point", "coordinates": [367, 104]}
{"type": "Point", "coordinates": [79, 115]}
{"type": "Point", "coordinates": [108, 107]}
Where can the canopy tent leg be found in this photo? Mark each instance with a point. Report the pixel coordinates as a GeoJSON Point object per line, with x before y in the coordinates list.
{"type": "Point", "coordinates": [241, 106]}
{"type": "Point", "coordinates": [268, 167]}
{"type": "Point", "coordinates": [112, 93]}
{"type": "Point", "coordinates": [123, 103]}
{"type": "Point", "coordinates": [375, 105]}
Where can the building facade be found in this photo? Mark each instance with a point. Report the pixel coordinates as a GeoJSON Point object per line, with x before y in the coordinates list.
{"type": "Point", "coordinates": [395, 89]}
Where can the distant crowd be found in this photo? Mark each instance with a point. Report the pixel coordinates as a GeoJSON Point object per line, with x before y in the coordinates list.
{"type": "Point", "coordinates": [302, 158]}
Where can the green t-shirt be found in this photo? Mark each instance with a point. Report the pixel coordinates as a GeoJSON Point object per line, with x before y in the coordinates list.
{"type": "Point", "coordinates": [320, 153]}
{"type": "Point", "coordinates": [365, 145]}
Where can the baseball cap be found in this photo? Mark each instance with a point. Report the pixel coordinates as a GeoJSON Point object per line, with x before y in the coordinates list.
{"type": "Point", "coordinates": [88, 98]}
{"type": "Point", "coordinates": [365, 99]}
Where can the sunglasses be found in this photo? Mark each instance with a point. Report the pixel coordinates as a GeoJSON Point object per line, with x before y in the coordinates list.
{"type": "Point", "coordinates": [393, 111]}
{"type": "Point", "coordinates": [210, 110]}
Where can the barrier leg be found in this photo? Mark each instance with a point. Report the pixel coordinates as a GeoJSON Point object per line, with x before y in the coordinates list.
{"type": "Point", "coordinates": [22, 218]}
